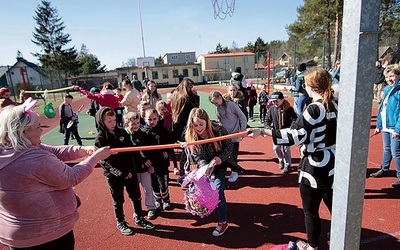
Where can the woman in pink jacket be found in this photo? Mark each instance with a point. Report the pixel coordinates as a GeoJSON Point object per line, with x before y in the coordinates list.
{"type": "Point", "coordinates": [38, 204]}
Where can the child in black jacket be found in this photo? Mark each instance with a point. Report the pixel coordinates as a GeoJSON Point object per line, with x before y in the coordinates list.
{"type": "Point", "coordinates": [159, 159]}
{"type": "Point", "coordinates": [280, 116]}
{"type": "Point", "coordinates": [119, 170]}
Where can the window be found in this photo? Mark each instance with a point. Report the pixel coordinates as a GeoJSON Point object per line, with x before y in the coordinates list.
{"type": "Point", "coordinates": [195, 72]}
{"type": "Point", "coordinates": [185, 72]}
{"type": "Point", "coordinates": [154, 74]}
{"type": "Point", "coordinates": [174, 57]}
{"type": "Point", "coordinates": [133, 75]}
{"type": "Point", "coordinates": [188, 57]}
{"type": "Point", "coordinates": [226, 60]}
{"type": "Point", "coordinates": [165, 74]}
{"type": "Point", "coordinates": [175, 73]}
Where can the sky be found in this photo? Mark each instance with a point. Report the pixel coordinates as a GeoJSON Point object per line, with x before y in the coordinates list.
{"type": "Point", "coordinates": [111, 30]}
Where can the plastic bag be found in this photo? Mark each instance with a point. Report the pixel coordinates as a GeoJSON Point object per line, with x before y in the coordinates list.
{"type": "Point", "coordinates": [49, 111]}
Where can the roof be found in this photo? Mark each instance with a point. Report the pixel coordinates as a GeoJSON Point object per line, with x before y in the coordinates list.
{"type": "Point", "coordinates": [284, 54]}
{"type": "Point", "coordinates": [383, 50]}
{"type": "Point", "coordinates": [228, 54]}
{"type": "Point", "coordinates": [259, 66]}
{"type": "Point", "coordinates": [3, 70]}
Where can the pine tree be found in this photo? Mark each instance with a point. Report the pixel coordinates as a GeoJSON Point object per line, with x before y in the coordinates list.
{"type": "Point", "coordinates": [50, 37]}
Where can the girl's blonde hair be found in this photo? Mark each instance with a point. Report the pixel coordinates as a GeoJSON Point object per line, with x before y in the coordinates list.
{"type": "Point", "coordinates": [191, 134]}
{"type": "Point", "coordinates": [13, 121]}
{"type": "Point", "coordinates": [320, 81]}
{"type": "Point", "coordinates": [160, 104]}
{"type": "Point", "coordinates": [215, 95]}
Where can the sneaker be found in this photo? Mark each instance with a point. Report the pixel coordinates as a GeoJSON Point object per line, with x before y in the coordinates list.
{"type": "Point", "coordinates": [261, 121]}
{"type": "Point", "coordinates": [220, 229]}
{"type": "Point", "coordinates": [176, 171]}
{"type": "Point", "coordinates": [167, 206]}
{"type": "Point", "coordinates": [151, 214]}
{"type": "Point", "coordinates": [233, 177]}
{"type": "Point", "coordinates": [158, 206]}
{"type": "Point", "coordinates": [396, 184]}
{"type": "Point", "coordinates": [281, 164]}
{"type": "Point", "coordinates": [286, 168]}
{"type": "Point", "coordinates": [251, 119]}
{"type": "Point", "coordinates": [124, 229]}
{"type": "Point", "coordinates": [380, 173]}
{"type": "Point", "coordinates": [180, 180]}
{"type": "Point", "coordinates": [302, 245]}
{"type": "Point", "coordinates": [140, 221]}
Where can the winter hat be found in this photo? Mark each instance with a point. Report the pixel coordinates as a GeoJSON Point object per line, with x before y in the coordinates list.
{"type": "Point", "coordinates": [276, 96]}
{"type": "Point", "coordinates": [302, 67]}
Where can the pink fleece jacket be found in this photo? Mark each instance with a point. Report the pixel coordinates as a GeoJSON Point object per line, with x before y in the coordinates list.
{"type": "Point", "coordinates": [37, 202]}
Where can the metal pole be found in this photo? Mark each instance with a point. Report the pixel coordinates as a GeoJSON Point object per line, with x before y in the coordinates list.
{"type": "Point", "coordinates": [269, 71]}
{"type": "Point", "coordinates": [294, 55]}
{"type": "Point", "coordinates": [141, 28]}
{"type": "Point", "coordinates": [360, 40]}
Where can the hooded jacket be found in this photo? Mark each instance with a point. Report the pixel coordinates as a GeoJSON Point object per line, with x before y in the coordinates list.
{"type": "Point", "coordinates": [281, 117]}
{"type": "Point", "coordinates": [121, 164]}
{"type": "Point", "coordinates": [392, 109]}
{"type": "Point", "coordinates": [38, 203]}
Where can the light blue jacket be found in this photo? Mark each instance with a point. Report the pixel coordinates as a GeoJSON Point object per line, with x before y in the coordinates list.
{"type": "Point", "coordinates": [392, 109]}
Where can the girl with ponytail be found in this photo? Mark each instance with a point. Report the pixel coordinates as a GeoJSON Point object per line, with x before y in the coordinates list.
{"type": "Point", "coordinates": [315, 131]}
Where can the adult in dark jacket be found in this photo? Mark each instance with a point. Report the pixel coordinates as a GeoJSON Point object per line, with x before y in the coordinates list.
{"type": "Point", "coordinates": [379, 81]}
{"type": "Point", "coordinates": [301, 99]}
{"type": "Point", "coordinates": [183, 100]}
{"type": "Point", "coordinates": [280, 116]}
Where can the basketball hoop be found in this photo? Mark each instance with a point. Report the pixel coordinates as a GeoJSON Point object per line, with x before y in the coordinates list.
{"type": "Point", "coordinates": [222, 8]}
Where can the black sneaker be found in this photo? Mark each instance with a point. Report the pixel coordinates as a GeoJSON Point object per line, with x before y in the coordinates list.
{"type": "Point", "coordinates": [396, 184]}
{"type": "Point", "coordinates": [380, 173]}
{"type": "Point", "coordinates": [124, 229]}
{"type": "Point", "coordinates": [159, 206]}
{"type": "Point", "coordinates": [140, 221]}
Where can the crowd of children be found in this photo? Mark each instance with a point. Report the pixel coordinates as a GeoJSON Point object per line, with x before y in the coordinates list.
{"type": "Point", "coordinates": [147, 120]}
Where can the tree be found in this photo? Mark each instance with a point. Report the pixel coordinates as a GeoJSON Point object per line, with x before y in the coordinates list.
{"type": "Point", "coordinates": [50, 37]}
{"type": "Point", "coordinates": [89, 62]}
{"type": "Point", "coordinates": [314, 23]}
{"type": "Point", "coordinates": [159, 60]}
{"type": "Point", "coordinates": [130, 63]}
{"type": "Point", "coordinates": [220, 49]}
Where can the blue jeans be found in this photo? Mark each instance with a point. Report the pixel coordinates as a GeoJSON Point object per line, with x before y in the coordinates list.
{"type": "Point", "coordinates": [219, 182]}
{"type": "Point", "coordinates": [300, 103]}
{"type": "Point", "coordinates": [391, 149]}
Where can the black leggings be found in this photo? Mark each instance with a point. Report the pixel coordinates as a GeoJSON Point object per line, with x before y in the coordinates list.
{"type": "Point", "coordinates": [66, 242]}
{"type": "Point", "coordinates": [312, 198]}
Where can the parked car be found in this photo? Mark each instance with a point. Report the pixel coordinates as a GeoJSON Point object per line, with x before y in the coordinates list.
{"type": "Point", "coordinates": [280, 75]}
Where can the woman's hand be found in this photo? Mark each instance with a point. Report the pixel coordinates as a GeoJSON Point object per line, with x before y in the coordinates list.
{"type": "Point", "coordinates": [395, 135]}
{"type": "Point", "coordinates": [103, 153]}
{"type": "Point", "coordinates": [128, 176]}
{"type": "Point", "coordinates": [254, 132]}
{"type": "Point", "coordinates": [87, 150]}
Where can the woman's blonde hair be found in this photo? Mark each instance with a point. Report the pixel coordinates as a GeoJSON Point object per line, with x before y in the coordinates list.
{"type": "Point", "coordinates": [191, 134]}
{"type": "Point", "coordinates": [392, 68]}
{"type": "Point", "coordinates": [320, 81]}
{"type": "Point", "coordinates": [13, 121]}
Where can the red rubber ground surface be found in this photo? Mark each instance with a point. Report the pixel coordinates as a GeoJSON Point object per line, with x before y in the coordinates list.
{"type": "Point", "coordinates": [264, 209]}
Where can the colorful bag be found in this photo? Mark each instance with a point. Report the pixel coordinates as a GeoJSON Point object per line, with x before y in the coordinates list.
{"type": "Point", "coordinates": [201, 196]}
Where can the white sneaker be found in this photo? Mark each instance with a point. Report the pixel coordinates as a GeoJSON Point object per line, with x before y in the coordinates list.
{"type": "Point", "coordinates": [233, 177]}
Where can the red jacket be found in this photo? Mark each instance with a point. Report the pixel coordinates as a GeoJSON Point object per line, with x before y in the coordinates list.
{"type": "Point", "coordinates": [105, 98]}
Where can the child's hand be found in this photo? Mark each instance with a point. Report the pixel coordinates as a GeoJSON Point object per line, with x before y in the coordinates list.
{"type": "Point", "coordinates": [147, 163]}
